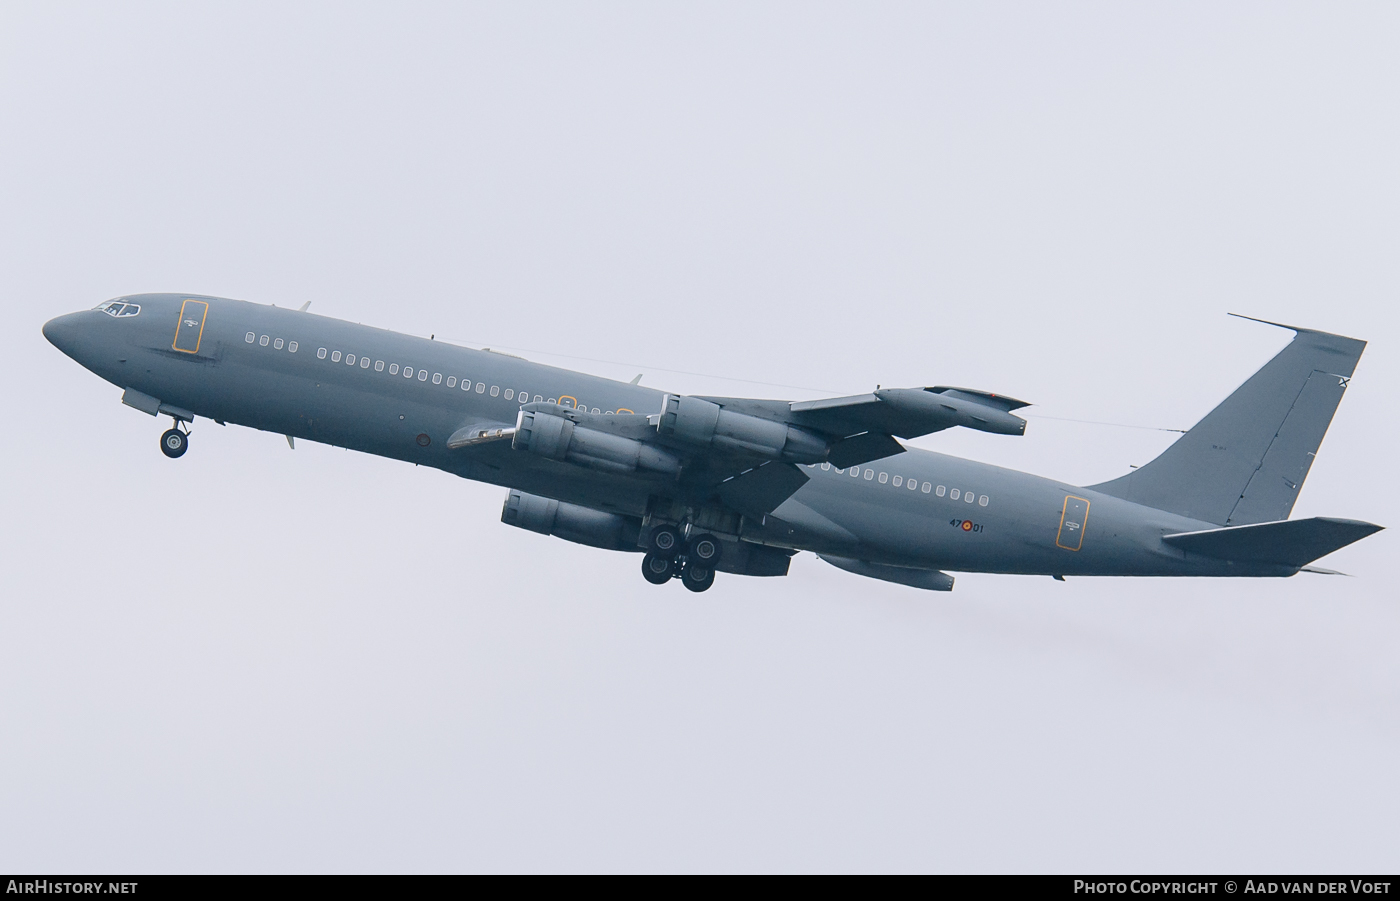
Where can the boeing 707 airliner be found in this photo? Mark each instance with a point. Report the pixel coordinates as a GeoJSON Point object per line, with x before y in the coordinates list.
{"type": "Point", "coordinates": [699, 485]}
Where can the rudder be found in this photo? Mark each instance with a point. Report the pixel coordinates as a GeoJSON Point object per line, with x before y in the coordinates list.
{"type": "Point", "coordinates": [1246, 460]}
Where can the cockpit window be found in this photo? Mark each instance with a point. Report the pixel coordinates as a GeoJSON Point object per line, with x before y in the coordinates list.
{"type": "Point", "coordinates": [119, 308]}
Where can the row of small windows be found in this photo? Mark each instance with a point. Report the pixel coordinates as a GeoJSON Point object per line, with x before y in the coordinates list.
{"type": "Point", "coordinates": [480, 387]}
{"type": "Point", "coordinates": [422, 375]}
{"type": "Point", "coordinates": [968, 497]}
{"type": "Point", "coordinates": [276, 342]}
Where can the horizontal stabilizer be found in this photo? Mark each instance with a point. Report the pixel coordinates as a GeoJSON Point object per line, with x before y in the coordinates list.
{"type": "Point", "coordinates": [1295, 542]}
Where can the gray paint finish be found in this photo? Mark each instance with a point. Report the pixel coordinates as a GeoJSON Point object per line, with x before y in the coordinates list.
{"type": "Point", "coordinates": [912, 512]}
{"type": "Point", "coordinates": [1246, 460]}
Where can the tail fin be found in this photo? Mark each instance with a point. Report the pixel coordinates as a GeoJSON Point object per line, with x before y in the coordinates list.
{"type": "Point", "coordinates": [1245, 462]}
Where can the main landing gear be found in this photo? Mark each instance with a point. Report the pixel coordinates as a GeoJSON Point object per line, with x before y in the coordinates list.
{"type": "Point", "coordinates": [175, 441]}
{"type": "Point", "coordinates": [692, 562]}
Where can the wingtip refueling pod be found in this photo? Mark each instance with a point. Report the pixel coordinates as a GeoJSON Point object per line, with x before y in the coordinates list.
{"type": "Point", "coordinates": [980, 410]}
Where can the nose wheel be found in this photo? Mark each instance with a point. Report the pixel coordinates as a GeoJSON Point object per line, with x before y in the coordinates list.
{"type": "Point", "coordinates": [174, 442]}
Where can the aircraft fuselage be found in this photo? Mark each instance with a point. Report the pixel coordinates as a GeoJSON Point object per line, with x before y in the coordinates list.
{"type": "Point", "coordinates": [368, 389]}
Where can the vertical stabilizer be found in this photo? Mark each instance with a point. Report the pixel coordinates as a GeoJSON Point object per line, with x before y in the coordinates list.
{"type": "Point", "coordinates": [1246, 461]}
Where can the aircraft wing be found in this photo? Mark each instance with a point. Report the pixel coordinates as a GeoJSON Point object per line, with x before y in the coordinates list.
{"type": "Point", "coordinates": [745, 451]}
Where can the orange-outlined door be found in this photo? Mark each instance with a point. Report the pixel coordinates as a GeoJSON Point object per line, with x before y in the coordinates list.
{"type": "Point", "coordinates": [191, 326]}
{"type": "Point", "coordinates": [1072, 520]}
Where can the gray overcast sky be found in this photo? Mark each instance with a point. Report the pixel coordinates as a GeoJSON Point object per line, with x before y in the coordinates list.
{"type": "Point", "coordinates": [259, 659]}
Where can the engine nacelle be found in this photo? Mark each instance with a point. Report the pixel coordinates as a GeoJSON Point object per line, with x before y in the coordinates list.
{"type": "Point", "coordinates": [581, 525]}
{"type": "Point", "coordinates": [699, 423]}
{"type": "Point", "coordinates": [558, 438]}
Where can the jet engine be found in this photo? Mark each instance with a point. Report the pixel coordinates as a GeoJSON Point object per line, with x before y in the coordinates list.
{"type": "Point", "coordinates": [698, 423]}
{"type": "Point", "coordinates": [560, 439]}
{"type": "Point", "coordinates": [581, 525]}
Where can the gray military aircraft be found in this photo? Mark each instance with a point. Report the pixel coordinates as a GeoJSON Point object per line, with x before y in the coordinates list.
{"type": "Point", "coordinates": [739, 485]}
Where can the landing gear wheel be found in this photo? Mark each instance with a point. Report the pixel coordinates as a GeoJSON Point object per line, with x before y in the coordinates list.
{"type": "Point", "coordinates": [705, 550]}
{"type": "Point", "coordinates": [664, 541]}
{"type": "Point", "coordinates": [658, 570]}
{"type": "Point", "coordinates": [698, 578]}
{"type": "Point", "coordinates": [174, 443]}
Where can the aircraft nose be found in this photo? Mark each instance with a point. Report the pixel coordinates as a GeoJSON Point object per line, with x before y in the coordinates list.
{"type": "Point", "coordinates": [63, 331]}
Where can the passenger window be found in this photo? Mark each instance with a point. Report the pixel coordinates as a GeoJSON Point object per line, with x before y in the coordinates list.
{"type": "Point", "coordinates": [408, 372]}
{"type": "Point", "coordinates": [855, 472]}
{"type": "Point", "coordinates": [321, 354]}
{"type": "Point", "coordinates": [437, 378]}
{"type": "Point", "coordinates": [495, 391]}
{"type": "Point", "coordinates": [969, 496]}
{"type": "Point", "coordinates": [480, 387]}
{"type": "Point", "coordinates": [422, 375]}
{"type": "Point", "coordinates": [953, 494]}
{"type": "Point", "coordinates": [335, 356]}
{"type": "Point", "coordinates": [250, 337]}
{"type": "Point", "coordinates": [898, 480]}
{"type": "Point", "coordinates": [942, 491]}
{"type": "Point", "coordinates": [538, 398]}
{"type": "Point", "coordinates": [452, 381]}
{"type": "Point", "coordinates": [393, 368]}
{"type": "Point", "coordinates": [510, 393]}
{"type": "Point", "coordinates": [982, 501]}
{"type": "Point", "coordinates": [927, 486]}
{"type": "Point", "coordinates": [364, 362]}
{"type": "Point", "coordinates": [869, 474]}
{"type": "Point", "coordinates": [883, 478]}
{"type": "Point", "coordinates": [913, 483]}
{"type": "Point", "coordinates": [263, 340]}
{"type": "Point", "coordinates": [595, 409]}
{"type": "Point", "coordinates": [291, 347]}
{"type": "Point", "coordinates": [826, 467]}
{"type": "Point", "coordinates": [277, 345]}
{"type": "Point", "coordinates": [840, 471]}
{"type": "Point", "coordinates": [378, 365]}
{"type": "Point", "coordinates": [349, 359]}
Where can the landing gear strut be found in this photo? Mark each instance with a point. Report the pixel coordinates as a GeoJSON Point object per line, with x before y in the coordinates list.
{"type": "Point", "coordinates": [175, 442]}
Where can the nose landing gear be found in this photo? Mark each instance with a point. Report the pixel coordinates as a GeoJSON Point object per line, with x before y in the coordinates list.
{"type": "Point", "coordinates": [175, 442]}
